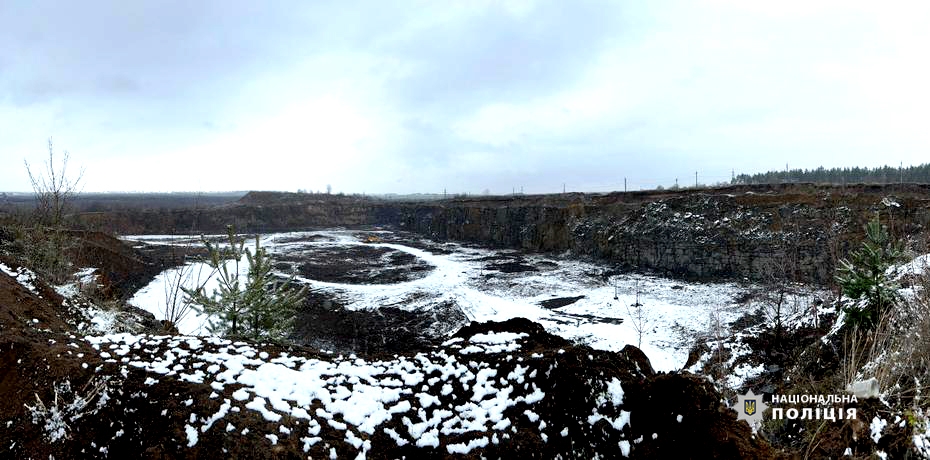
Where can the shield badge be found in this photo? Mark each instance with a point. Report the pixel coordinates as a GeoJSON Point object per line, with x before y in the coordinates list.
{"type": "Point", "coordinates": [749, 406]}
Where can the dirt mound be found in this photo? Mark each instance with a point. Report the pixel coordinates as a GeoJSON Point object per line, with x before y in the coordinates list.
{"type": "Point", "coordinates": [680, 416]}
{"type": "Point", "coordinates": [323, 323]}
{"type": "Point", "coordinates": [497, 389]}
{"type": "Point", "coordinates": [121, 269]}
{"type": "Point", "coordinates": [512, 267]}
{"type": "Point", "coordinates": [358, 264]}
{"type": "Point", "coordinates": [559, 302]}
{"type": "Point", "coordinates": [535, 331]}
{"type": "Point", "coordinates": [505, 389]}
{"type": "Point", "coordinates": [27, 302]}
{"type": "Point", "coordinates": [411, 240]}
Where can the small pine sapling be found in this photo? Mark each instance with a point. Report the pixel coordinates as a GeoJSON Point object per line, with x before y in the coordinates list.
{"type": "Point", "coordinates": [258, 305]}
{"type": "Point", "coordinates": [863, 277]}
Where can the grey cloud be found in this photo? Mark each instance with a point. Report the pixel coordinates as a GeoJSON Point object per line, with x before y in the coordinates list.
{"type": "Point", "coordinates": [500, 57]}
{"type": "Point", "coordinates": [117, 84]}
{"type": "Point", "coordinates": [168, 45]}
{"type": "Point", "coordinates": [493, 57]}
{"type": "Point", "coordinates": [709, 87]}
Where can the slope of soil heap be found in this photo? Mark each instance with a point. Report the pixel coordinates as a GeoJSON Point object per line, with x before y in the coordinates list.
{"type": "Point", "coordinates": [493, 390]}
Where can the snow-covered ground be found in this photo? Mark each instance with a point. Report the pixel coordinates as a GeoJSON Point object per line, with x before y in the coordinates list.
{"type": "Point", "coordinates": [155, 296]}
{"type": "Point", "coordinates": [363, 394]}
{"type": "Point", "coordinates": [23, 276]}
{"type": "Point", "coordinates": [672, 315]}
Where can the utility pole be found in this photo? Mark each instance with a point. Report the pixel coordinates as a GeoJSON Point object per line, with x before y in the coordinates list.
{"type": "Point", "coordinates": [563, 188]}
{"type": "Point", "coordinates": [624, 185]}
{"type": "Point", "coordinates": [695, 179]}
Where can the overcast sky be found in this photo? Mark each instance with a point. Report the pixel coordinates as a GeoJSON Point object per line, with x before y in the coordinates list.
{"type": "Point", "coordinates": [406, 96]}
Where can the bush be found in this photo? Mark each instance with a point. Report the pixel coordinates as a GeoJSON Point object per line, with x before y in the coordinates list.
{"type": "Point", "coordinates": [47, 251]}
{"type": "Point", "coordinates": [42, 249]}
{"type": "Point", "coordinates": [260, 307]}
{"type": "Point", "coordinates": [863, 278]}
{"type": "Point", "coordinates": [67, 407]}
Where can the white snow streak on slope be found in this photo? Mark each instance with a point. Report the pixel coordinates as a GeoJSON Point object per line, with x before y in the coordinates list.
{"type": "Point", "coordinates": [24, 276]}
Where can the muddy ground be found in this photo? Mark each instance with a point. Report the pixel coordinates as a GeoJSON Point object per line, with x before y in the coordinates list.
{"type": "Point", "coordinates": [323, 323]}
{"type": "Point", "coordinates": [359, 265]}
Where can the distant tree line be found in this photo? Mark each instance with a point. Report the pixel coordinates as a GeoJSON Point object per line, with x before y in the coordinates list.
{"type": "Point", "coordinates": [118, 201]}
{"type": "Point", "coordinates": [882, 175]}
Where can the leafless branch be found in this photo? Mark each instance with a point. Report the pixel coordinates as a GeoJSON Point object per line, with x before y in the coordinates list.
{"type": "Point", "coordinates": [53, 186]}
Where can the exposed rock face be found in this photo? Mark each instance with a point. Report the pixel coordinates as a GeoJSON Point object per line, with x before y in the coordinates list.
{"type": "Point", "coordinates": [796, 235]}
{"type": "Point", "coordinates": [798, 231]}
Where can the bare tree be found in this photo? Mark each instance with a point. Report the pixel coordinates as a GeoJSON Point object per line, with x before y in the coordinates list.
{"type": "Point", "coordinates": [53, 187]}
{"type": "Point", "coordinates": [46, 242]}
{"type": "Point", "coordinates": [774, 273]}
{"type": "Point", "coordinates": [719, 352]}
{"type": "Point", "coordinates": [177, 303]}
{"type": "Point", "coordinates": [638, 319]}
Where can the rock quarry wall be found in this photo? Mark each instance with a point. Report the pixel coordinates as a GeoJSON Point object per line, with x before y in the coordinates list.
{"type": "Point", "coordinates": [792, 232]}
{"type": "Point", "coordinates": [795, 234]}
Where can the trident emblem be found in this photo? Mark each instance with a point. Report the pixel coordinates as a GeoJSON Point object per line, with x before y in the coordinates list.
{"type": "Point", "coordinates": [749, 406]}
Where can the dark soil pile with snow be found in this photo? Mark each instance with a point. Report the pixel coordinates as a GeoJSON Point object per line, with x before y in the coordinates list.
{"type": "Point", "coordinates": [361, 265]}
{"type": "Point", "coordinates": [492, 390]}
{"type": "Point", "coordinates": [507, 390]}
{"type": "Point", "coordinates": [323, 323]}
{"type": "Point", "coordinates": [120, 268]}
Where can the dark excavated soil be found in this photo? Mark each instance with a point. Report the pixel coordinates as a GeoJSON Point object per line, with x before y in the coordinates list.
{"type": "Point", "coordinates": [559, 302]}
{"type": "Point", "coordinates": [304, 238]}
{"type": "Point", "coordinates": [323, 323]}
{"type": "Point", "coordinates": [358, 264]}
{"type": "Point", "coordinates": [412, 240]}
{"type": "Point", "coordinates": [512, 267]}
{"type": "Point", "coordinates": [123, 269]}
{"type": "Point", "coordinates": [513, 263]}
{"type": "Point", "coordinates": [144, 420]}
